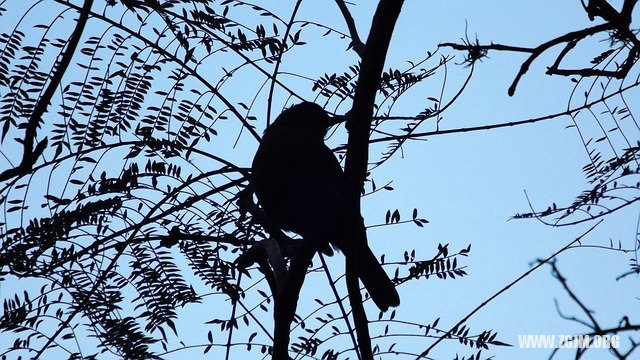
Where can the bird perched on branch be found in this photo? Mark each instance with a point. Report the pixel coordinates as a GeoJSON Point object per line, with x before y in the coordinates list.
{"type": "Point", "coordinates": [302, 188]}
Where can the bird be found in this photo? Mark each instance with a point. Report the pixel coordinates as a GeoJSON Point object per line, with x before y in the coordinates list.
{"type": "Point", "coordinates": [301, 187]}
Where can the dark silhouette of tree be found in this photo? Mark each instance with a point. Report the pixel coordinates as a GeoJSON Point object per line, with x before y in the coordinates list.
{"type": "Point", "coordinates": [125, 210]}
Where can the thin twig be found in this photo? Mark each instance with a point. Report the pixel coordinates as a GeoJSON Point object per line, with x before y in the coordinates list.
{"type": "Point", "coordinates": [274, 76]}
{"type": "Point", "coordinates": [339, 302]}
{"type": "Point", "coordinates": [232, 320]}
{"type": "Point", "coordinates": [595, 326]}
{"type": "Point", "coordinates": [499, 47]}
{"type": "Point", "coordinates": [498, 125]}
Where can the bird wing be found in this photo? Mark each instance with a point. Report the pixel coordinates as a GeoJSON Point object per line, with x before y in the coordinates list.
{"type": "Point", "coordinates": [301, 184]}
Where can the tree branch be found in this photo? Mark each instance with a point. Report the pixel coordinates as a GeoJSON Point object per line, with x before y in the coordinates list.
{"type": "Point", "coordinates": [31, 155]}
{"type": "Point", "coordinates": [274, 76]}
{"type": "Point", "coordinates": [498, 125]}
{"type": "Point", "coordinates": [356, 43]}
{"type": "Point", "coordinates": [573, 36]}
{"type": "Point", "coordinates": [498, 47]}
{"type": "Point", "coordinates": [359, 127]}
{"type": "Point", "coordinates": [563, 281]}
{"type": "Point", "coordinates": [580, 34]}
{"type": "Point", "coordinates": [182, 64]}
{"type": "Point", "coordinates": [595, 326]}
{"type": "Point", "coordinates": [618, 21]}
{"type": "Point", "coordinates": [286, 300]}
{"type": "Point", "coordinates": [340, 305]}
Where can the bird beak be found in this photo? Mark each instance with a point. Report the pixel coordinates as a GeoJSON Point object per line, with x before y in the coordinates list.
{"type": "Point", "coordinates": [337, 119]}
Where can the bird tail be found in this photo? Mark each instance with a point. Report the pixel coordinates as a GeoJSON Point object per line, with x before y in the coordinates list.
{"type": "Point", "coordinates": [376, 281]}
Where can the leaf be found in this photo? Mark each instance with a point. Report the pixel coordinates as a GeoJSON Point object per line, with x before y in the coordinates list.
{"type": "Point", "coordinates": [395, 217]}
{"type": "Point", "coordinates": [87, 159]}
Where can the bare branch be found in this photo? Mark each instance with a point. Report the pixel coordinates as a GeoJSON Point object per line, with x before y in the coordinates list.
{"type": "Point", "coordinates": [563, 281]}
{"type": "Point", "coordinates": [595, 326]}
{"type": "Point", "coordinates": [574, 35]}
{"type": "Point", "coordinates": [274, 76]}
{"type": "Point", "coordinates": [356, 43]}
{"type": "Point", "coordinates": [498, 125]}
{"type": "Point", "coordinates": [340, 305]}
{"type": "Point", "coordinates": [499, 47]}
{"type": "Point", "coordinates": [359, 127]}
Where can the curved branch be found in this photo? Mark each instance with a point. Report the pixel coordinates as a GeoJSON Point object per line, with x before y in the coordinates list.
{"type": "Point", "coordinates": [574, 35]}
{"type": "Point", "coordinates": [359, 127]}
{"type": "Point", "coordinates": [274, 76]}
{"type": "Point", "coordinates": [31, 155]}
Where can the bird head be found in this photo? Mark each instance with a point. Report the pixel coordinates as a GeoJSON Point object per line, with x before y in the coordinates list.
{"type": "Point", "coordinates": [306, 118]}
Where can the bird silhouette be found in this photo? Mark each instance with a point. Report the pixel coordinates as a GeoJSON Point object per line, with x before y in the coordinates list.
{"type": "Point", "coordinates": [301, 187]}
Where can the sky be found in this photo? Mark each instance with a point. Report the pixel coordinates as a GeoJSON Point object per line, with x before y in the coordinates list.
{"type": "Point", "coordinates": [469, 185]}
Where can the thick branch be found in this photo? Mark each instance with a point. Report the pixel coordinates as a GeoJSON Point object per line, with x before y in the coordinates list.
{"type": "Point", "coordinates": [359, 127]}
{"type": "Point", "coordinates": [627, 8]}
{"type": "Point", "coordinates": [286, 300]}
{"type": "Point", "coordinates": [367, 86]}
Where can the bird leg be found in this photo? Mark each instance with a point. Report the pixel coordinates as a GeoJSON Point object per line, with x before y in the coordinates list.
{"type": "Point", "coordinates": [268, 254]}
{"type": "Point", "coordinates": [278, 265]}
